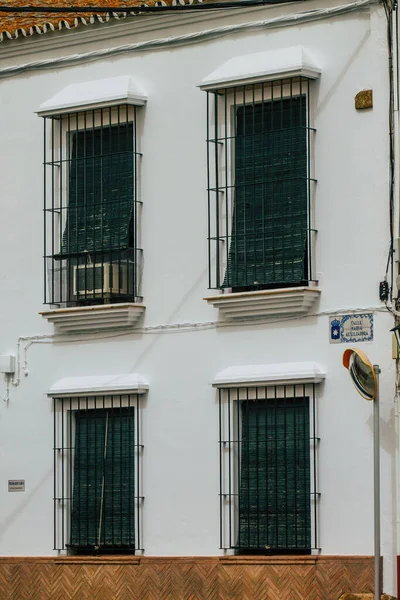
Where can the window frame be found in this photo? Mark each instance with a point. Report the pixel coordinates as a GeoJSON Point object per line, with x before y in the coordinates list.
{"type": "Point", "coordinates": [230, 434]}
{"type": "Point", "coordinates": [59, 273]}
{"type": "Point", "coordinates": [65, 408]}
{"type": "Point", "coordinates": [222, 105]}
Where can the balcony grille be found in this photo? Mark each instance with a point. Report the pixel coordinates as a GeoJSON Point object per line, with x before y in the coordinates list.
{"type": "Point", "coordinates": [260, 232]}
{"type": "Point", "coordinates": [97, 475]}
{"type": "Point", "coordinates": [91, 207]}
{"type": "Point", "coordinates": [268, 469]}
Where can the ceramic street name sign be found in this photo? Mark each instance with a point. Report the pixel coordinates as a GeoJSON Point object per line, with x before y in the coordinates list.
{"type": "Point", "coordinates": [350, 329]}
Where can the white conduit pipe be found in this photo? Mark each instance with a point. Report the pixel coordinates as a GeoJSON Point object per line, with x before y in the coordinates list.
{"type": "Point", "coordinates": [200, 36]}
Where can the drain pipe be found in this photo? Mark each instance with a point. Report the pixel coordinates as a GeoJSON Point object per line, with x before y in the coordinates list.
{"type": "Point", "coordinates": [393, 41]}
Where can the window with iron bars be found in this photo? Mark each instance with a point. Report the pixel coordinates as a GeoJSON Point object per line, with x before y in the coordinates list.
{"type": "Point", "coordinates": [91, 211]}
{"type": "Point", "coordinates": [259, 185]}
{"type": "Point", "coordinates": [97, 474]}
{"type": "Point", "coordinates": [268, 469]}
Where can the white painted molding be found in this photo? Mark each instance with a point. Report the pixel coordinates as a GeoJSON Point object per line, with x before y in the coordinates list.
{"type": "Point", "coordinates": [263, 66]}
{"type": "Point", "coordinates": [94, 94]}
{"type": "Point", "coordinates": [94, 385]}
{"type": "Point", "coordinates": [83, 319]}
{"type": "Point", "coordinates": [265, 303]}
{"type": "Point", "coordinates": [268, 375]}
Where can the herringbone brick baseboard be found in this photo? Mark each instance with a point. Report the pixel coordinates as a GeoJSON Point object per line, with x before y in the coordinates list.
{"type": "Point", "coordinates": [184, 578]}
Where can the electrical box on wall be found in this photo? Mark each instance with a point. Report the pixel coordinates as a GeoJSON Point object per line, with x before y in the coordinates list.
{"type": "Point", "coordinates": [7, 363]}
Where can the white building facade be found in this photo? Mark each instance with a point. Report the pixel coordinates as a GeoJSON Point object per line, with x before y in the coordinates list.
{"type": "Point", "coordinates": [210, 201]}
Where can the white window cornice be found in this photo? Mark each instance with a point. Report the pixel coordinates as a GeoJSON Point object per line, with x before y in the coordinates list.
{"type": "Point", "coordinates": [269, 375]}
{"type": "Point", "coordinates": [90, 95]}
{"type": "Point", "coordinates": [94, 385]}
{"type": "Point", "coordinates": [295, 61]}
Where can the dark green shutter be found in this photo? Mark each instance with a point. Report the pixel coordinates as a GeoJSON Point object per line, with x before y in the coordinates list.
{"type": "Point", "coordinates": [269, 224]}
{"type": "Point", "coordinates": [274, 496]}
{"type": "Point", "coordinates": [100, 191]}
{"type": "Point", "coordinates": [103, 479]}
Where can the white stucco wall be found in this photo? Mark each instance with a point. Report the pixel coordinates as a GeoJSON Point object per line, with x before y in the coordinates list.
{"type": "Point", "coordinates": [180, 420]}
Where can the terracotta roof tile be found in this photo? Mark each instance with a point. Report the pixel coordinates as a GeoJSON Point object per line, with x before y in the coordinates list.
{"type": "Point", "coordinates": [15, 25]}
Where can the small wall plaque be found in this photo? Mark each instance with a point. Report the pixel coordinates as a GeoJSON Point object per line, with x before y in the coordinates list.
{"type": "Point", "coordinates": [363, 100]}
{"type": "Point", "coordinates": [16, 485]}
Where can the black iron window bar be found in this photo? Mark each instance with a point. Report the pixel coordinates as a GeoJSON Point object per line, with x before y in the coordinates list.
{"type": "Point", "coordinates": [259, 146]}
{"type": "Point", "coordinates": [91, 210]}
{"type": "Point", "coordinates": [269, 496]}
{"type": "Point", "coordinates": [97, 475]}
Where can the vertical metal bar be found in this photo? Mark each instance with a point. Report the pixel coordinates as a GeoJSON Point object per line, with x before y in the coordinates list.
{"type": "Point", "coordinates": [79, 168]}
{"type": "Point", "coordinates": [52, 207]}
{"type": "Point", "coordinates": [276, 464]}
{"type": "Point", "coordinates": [135, 209]}
{"type": "Point", "coordinates": [239, 450]}
{"type": "Point", "coordinates": [210, 283]}
{"type": "Point", "coordinates": [226, 176]}
{"type": "Point", "coordinates": [292, 186]}
{"type": "Point", "coordinates": [257, 410]}
{"type": "Point", "coordinates": [263, 176]}
{"type": "Point", "coordinates": [217, 190]}
{"type": "Point", "coordinates": [245, 187]}
{"type": "Point", "coordinates": [121, 159]}
{"type": "Point", "coordinates": [101, 177]}
{"type": "Point", "coordinates": [272, 185]}
{"type": "Point", "coordinates": [220, 471]}
{"type": "Point", "coordinates": [45, 209]}
{"type": "Point", "coordinates": [229, 468]}
{"type": "Point", "coordinates": [296, 435]}
{"type": "Point", "coordinates": [77, 420]}
{"type": "Point", "coordinates": [139, 505]}
{"type": "Point", "coordinates": [377, 499]}
{"type": "Point", "coordinates": [130, 501]}
{"type": "Point", "coordinates": [310, 274]}
{"type": "Point", "coordinates": [306, 437]}
{"type": "Point", "coordinates": [85, 199]}
{"type": "Point", "coordinates": [123, 426]}
{"type": "Point", "coordinates": [93, 200]}
{"type": "Point", "coordinates": [112, 457]}
{"type": "Point", "coordinates": [70, 467]}
{"type": "Point", "coordinates": [62, 477]}
{"type": "Point", "coordinates": [254, 189]}
{"type": "Point", "coordinates": [87, 475]}
{"type": "Point", "coordinates": [314, 467]}
{"type": "Point", "coordinates": [248, 467]}
{"type": "Point", "coordinates": [55, 501]}
{"type": "Point", "coordinates": [234, 226]}
{"type": "Point", "coordinates": [64, 223]}
{"type": "Point", "coordinates": [60, 203]}
{"type": "Point", "coordinates": [285, 409]}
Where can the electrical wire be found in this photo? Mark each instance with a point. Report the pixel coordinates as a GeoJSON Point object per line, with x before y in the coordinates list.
{"type": "Point", "coordinates": [188, 38]}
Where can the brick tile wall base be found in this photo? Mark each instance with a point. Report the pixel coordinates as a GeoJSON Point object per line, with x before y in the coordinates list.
{"type": "Point", "coordinates": [184, 578]}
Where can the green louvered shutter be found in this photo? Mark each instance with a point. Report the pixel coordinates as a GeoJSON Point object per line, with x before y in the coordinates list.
{"type": "Point", "coordinates": [103, 479]}
{"type": "Point", "coordinates": [100, 191]}
{"type": "Point", "coordinates": [274, 497]}
{"type": "Point", "coordinates": [269, 224]}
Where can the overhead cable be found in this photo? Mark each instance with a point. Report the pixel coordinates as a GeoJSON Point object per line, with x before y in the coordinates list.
{"type": "Point", "coordinates": [188, 38]}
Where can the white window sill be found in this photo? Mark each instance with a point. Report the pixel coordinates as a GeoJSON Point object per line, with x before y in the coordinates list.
{"type": "Point", "coordinates": [83, 319]}
{"type": "Point", "coordinates": [265, 303]}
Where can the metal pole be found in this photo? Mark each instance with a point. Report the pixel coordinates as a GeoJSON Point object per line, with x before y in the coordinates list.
{"type": "Point", "coordinates": [377, 507]}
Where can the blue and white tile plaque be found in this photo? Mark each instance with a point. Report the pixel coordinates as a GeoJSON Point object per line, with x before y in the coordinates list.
{"type": "Point", "coordinates": [350, 329]}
